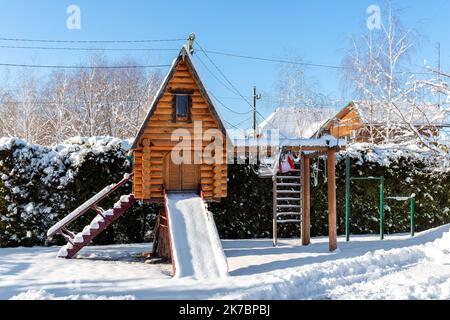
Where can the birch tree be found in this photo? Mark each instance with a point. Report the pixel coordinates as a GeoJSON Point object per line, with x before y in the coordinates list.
{"type": "Point", "coordinates": [294, 90]}
{"type": "Point", "coordinates": [375, 69]}
{"type": "Point", "coordinates": [87, 102]}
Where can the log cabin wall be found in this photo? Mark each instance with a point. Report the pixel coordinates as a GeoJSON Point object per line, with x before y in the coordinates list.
{"type": "Point", "coordinates": [346, 125]}
{"type": "Point", "coordinates": [153, 144]}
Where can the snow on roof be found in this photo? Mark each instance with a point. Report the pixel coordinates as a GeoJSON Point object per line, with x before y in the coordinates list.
{"type": "Point", "coordinates": [424, 114]}
{"type": "Point", "coordinates": [324, 141]}
{"type": "Point", "coordinates": [296, 123]}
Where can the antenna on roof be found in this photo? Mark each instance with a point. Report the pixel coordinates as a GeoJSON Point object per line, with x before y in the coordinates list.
{"type": "Point", "coordinates": [191, 40]}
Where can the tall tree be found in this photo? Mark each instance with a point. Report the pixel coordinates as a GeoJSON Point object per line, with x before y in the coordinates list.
{"type": "Point", "coordinates": [376, 70]}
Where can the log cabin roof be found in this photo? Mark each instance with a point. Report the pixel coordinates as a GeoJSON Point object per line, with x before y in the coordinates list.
{"type": "Point", "coordinates": [185, 56]}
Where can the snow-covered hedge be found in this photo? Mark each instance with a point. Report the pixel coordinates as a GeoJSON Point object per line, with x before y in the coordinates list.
{"type": "Point", "coordinates": [40, 185]}
{"type": "Point", "coordinates": [407, 169]}
{"type": "Point", "coordinates": [247, 212]}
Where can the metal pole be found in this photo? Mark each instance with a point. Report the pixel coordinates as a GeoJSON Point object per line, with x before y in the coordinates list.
{"type": "Point", "coordinates": [412, 211]}
{"type": "Point", "coordinates": [382, 208]}
{"type": "Point", "coordinates": [274, 222]}
{"type": "Point", "coordinates": [254, 111]}
{"type": "Point", "coordinates": [256, 97]}
{"type": "Point", "coordinates": [347, 198]}
{"type": "Point", "coordinates": [438, 49]}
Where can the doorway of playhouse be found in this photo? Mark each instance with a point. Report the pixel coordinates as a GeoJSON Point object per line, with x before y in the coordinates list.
{"type": "Point", "coordinates": [181, 177]}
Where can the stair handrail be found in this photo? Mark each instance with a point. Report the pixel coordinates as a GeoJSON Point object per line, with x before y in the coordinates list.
{"type": "Point", "coordinates": [89, 204]}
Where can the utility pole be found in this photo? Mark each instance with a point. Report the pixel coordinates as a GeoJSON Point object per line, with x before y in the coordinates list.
{"type": "Point", "coordinates": [255, 98]}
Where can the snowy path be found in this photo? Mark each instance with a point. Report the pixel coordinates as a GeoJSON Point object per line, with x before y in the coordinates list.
{"type": "Point", "coordinates": [196, 246]}
{"type": "Point", "coordinates": [398, 268]}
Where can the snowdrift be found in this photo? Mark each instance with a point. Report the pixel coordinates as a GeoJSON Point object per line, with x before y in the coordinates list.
{"type": "Point", "coordinates": [196, 247]}
{"type": "Point", "coordinates": [399, 267]}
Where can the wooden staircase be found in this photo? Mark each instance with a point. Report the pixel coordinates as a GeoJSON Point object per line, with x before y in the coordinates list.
{"type": "Point", "coordinates": [101, 221]}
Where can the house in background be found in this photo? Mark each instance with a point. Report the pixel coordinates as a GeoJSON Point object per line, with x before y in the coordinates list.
{"type": "Point", "coordinates": [295, 123]}
{"type": "Point", "coordinates": [364, 121]}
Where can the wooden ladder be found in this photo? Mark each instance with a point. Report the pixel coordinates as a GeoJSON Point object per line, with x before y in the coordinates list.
{"type": "Point", "coordinates": [287, 200]}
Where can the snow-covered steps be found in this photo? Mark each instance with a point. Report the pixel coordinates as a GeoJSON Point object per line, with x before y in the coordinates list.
{"type": "Point", "coordinates": [98, 224]}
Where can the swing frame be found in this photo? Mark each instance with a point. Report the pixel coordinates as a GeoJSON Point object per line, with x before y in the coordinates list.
{"type": "Point", "coordinates": [306, 153]}
{"type": "Point", "coordinates": [412, 209]}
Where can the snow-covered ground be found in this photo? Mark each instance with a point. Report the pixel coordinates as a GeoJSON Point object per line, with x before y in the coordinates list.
{"type": "Point", "coordinates": [398, 268]}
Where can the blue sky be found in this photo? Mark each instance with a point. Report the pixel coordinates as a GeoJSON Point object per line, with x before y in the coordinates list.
{"type": "Point", "coordinates": [317, 31]}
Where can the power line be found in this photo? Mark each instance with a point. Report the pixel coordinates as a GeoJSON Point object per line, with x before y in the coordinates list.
{"type": "Point", "coordinates": [221, 103]}
{"type": "Point", "coordinates": [277, 60]}
{"type": "Point", "coordinates": [215, 77]}
{"type": "Point", "coordinates": [232, 125]}
{"type": "Point", "coordinates": [273, 59]}
{"type": "Point", "coordinates": [235, 126]}
{"type": "Point", "coordinates": [86, 49]}
{"type": "Point", "coordinates": [231, 84]}
{"type": "Point", "coordinates": [90, 41]}
{"type": "Point", "coordinates": [83, 67]}
{"type": "Point", "coordinates": [50, 103]}
{"type": "Point", "coordinates": [242, 122]}
{"type": "Point", "coordinates": [224, 76]}
{"type": "Point", "coordinates": [296, 62]}
{"type": "Point", "coordinates": [221, 82]}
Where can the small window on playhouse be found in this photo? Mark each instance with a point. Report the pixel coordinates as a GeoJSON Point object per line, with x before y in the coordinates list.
{"type": "Point", "coordinates": [182, 103]}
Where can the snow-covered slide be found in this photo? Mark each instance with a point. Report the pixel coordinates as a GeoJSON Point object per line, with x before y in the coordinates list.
{"type": "Point", "coordinates": [196, 248]}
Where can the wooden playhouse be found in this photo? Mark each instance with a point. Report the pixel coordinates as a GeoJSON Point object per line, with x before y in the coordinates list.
{"type": "Point", "coordinates": [182, 102]}
{"type": "Point", "coordinates": [181, 115]}
{"type": "Point", "coordinates": [182, 119]}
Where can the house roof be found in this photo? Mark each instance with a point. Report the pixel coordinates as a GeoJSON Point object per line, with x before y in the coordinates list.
{"type": "Point", "coordinates": [186, 56]}
{"type": "Point", "coordinates": [370, 113]}
{"type": "Point", "coordinates": [296, 123]}
{"type": "Point", "coordinates": [418, 115]}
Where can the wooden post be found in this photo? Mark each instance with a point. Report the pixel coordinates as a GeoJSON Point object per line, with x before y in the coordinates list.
{"type": "Point", "coordinates": [306, 206]}
{"type": "Point", "coordinates": [332, 226]}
